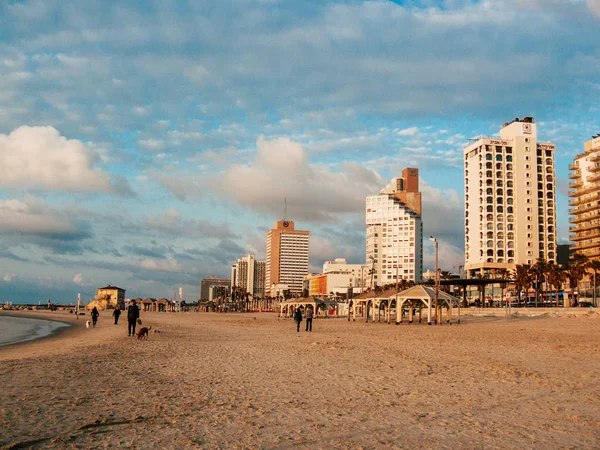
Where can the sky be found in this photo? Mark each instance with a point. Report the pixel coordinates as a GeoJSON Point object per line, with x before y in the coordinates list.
{"type": "Point", "coordinates": [149, 144]}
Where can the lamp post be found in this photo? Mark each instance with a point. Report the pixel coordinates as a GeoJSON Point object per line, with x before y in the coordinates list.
{"type": "Point", "coordinates": [437, 278]}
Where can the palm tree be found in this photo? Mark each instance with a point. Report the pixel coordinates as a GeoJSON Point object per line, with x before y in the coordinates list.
{"type": "Point", "coordinates": [556, 278]}
{"type": "Point", "coordinates": [522, 277]}
{"type": "Point", "coordinates": [577, 267]}
{"type": "Point", "coordinates": [504, 275]}
{"type": "Point", "coordinates": [595, 268]}
{"type": "Point", "coordinates": [539, 270]}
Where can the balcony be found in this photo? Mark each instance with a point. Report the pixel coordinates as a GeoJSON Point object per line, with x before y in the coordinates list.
{"type": "Point", "coordinates": [586, 245]}
{"type": "Point", "coordinates": [593, 178]}
{"type": "Point", "coordinates": [595, 168]}
{"type": "Point", "coordinates": [574, 175]}
{"type": "Point", "coordinates": [576, 184]}
{"type": "Point", "coordinates": [581, 201]}
{"type": "Point", "coordinates": [594, 206]}
{"type": "Point", "coordinates": [584, 218]}
{"type": "Point", "coordinates": [585, 235]}
{"type": "Point", "coordinates": [592, 225]}
{"type": "Point", "coordinates": [596, 157]}
{"type": "Point", "coordinates": [573, 167]}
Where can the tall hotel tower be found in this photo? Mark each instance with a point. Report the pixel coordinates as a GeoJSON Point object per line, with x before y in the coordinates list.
{"type": "Point", "coordinates": [510, 209]}
{"type": "Point", "coordinates": [395, 232]}
{"type": "Point", "coordinates": [585, 200]}
{"type": "Point", "coordinates": [287, 258]}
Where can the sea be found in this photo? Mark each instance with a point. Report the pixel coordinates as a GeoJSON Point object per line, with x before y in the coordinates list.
{"type": "Point", "coordinates": [15, 330]}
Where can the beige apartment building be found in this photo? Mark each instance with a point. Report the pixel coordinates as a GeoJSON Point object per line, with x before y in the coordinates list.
{"type": "Point", "coordinates": [287, 258]}
{"type": "Point", "coordinates": [249, 274]}
{"type": "Point", "coordinates": [395, 232]}
{"type": "Point", "coordinates": [510, 208]}
{"type": "Point", "coordinates": [585, 200]}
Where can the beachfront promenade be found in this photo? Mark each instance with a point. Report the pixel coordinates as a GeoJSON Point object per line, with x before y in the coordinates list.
{"type": "Point", "coordinates": [209, 380]}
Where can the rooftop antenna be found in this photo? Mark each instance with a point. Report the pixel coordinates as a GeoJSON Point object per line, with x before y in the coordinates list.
{"type": "Point", "coordinates": [284, 207]}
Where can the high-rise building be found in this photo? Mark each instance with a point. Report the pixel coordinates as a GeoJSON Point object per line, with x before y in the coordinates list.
{"type": "Point", "coordinates": [395, 231]}
{"type": "Point", "coordinates": [206, 285]}
{"type": "Point", "coordinates": [287, 258]}
{"type": "Point", "coordinates": [585, 200]}
{"type": "Point", "coordinates": [510, 209]}
{"type": "Point", "coordinates": [249, 275]}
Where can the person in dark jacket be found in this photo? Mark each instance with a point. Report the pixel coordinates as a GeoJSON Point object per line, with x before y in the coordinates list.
{"type": "Point", "coordinates": [95, 315]}
{"type": "Point", "coordinates": [116, 314]}
{"type": "Point", "coordinates": [298, 318]}
{"type": "Point", "coordinates": [133, 314]}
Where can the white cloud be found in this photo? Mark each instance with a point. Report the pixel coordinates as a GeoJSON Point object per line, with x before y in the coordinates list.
{"type": "Point", "coordinates": [594, 6]}
{"type": "Point", "coordinates": [8, 276]}
{"type": "Point", "coordinates": [163, 265]}
{"type": "Point", "coordinates": [78, 279]}
{"type": "Point", "coordinates": [40, 158]}
{"type": "Point", "coordinates": [32, 216]}
{"type": "Point", "coordinates": [408, 131]}
{"type": "Point", "coordinates": [282, 170]}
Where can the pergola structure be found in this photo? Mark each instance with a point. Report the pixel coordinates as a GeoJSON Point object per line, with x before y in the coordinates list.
{"type": "Point", "coordinates": [413, 299]}
{"type": "Point", "coordinates": [287, 307]}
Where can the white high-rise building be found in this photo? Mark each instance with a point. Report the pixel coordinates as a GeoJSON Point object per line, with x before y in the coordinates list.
{"type": "Point", "coordinates": [287, 258]}
{"type": "Point", "coordinates": [510, 209]}
{"type": "Point", "coordinates": [249, 275]}
{"type": "Point", "coordinates": [395, 232]}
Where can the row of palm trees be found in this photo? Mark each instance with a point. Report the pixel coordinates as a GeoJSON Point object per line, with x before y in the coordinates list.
{"type": "Point", "coordinates": [551, 275]}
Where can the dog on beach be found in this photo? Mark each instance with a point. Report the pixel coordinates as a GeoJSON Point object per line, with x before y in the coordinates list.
{"type": "Point", "coordinates": [87, 323]}
{"type": "Point", "coordinates": [143, 333]}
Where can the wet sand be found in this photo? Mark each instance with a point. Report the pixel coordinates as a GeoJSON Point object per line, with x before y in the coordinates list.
{"type": "Point", "coordinates": [211, 380]}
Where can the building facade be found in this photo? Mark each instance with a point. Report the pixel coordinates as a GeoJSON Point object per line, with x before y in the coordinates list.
{"type": "Point", "coordinates": [207, 284]}
{"type": "Point", "coordinates": [395, 231]}
{"type": "Point", "coordinates": [287, 257]}
{"type": "Point", "coordinates": [510, 209]}
{"type": "Point", "coordinates": [111, 296]}
{"type": "Point", "coordinates": [249, 275]}
{"type": "Point", "coordinates": [338, 277]}
{"type": "Point", "coordinates": [584, 192]}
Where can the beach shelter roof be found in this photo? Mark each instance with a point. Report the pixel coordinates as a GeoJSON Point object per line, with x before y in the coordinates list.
{"type": "Point", "coordinates": [426, 293]}
{"type": "Point", "coordinates": [375, 294]}
{"type": "Point", "coordinates": [309, 301]}
{"type": "Point", "coordinates": [149, 300]}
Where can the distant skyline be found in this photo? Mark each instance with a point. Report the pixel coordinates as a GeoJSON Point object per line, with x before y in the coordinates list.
{"type": "Point", "coordinates": [151, 144]}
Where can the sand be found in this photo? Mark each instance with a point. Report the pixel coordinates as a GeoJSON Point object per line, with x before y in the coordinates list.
{"type": "Point", "coordinates": [210, 380]}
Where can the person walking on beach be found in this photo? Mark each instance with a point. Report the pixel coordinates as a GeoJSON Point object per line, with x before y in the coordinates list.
{"type": "Point", "coordinates": [133, 314]}
{"type": "Point", "coordinates": [95, 315]}
{"type": "Point", "coordinates": [298, 318]}
{"type": "Point", "coordinates": [309, 318]}
{"type": "Point", "coordinates": [116, 314]}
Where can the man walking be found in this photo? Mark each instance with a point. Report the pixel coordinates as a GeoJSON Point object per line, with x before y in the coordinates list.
{"type": "Point", "coordinates": [133, 314]}
{"type": "Point", "coordinates": [309, 318]}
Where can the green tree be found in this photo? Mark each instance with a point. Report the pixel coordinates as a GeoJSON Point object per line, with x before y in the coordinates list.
{"type": "Point", "coordinates": [523, 279]}
{"type": "Point", "coordinates": [504, 275]}
{"type": "Point", "coordinates": [556, 276]}
{"type": "Point", "coordinates": [594, 266]}
{"type": "Point", "coordinates": [577, 267]}
{"type": "Point", "coordinates": [539, 271]}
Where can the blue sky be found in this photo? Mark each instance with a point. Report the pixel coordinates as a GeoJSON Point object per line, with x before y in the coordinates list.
{"type": "Point", "coordinates": [148, 144]}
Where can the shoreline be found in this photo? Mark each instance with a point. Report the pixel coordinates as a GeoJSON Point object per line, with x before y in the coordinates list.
{"type": "Point", "coordinates": [34, 334]}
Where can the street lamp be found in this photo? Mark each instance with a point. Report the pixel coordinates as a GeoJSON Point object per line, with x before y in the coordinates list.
{"type": "Point", "coordinates": [437, 280]}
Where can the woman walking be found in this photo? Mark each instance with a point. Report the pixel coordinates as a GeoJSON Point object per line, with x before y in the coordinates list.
{"type": "Point", "coordinates": [298, 318]}
{"type": "Point", "coordinates": [95, 315]}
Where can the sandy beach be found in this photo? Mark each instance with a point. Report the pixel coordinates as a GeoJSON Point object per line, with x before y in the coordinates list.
{"type": "Point", "coordinates": [211, 380]}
